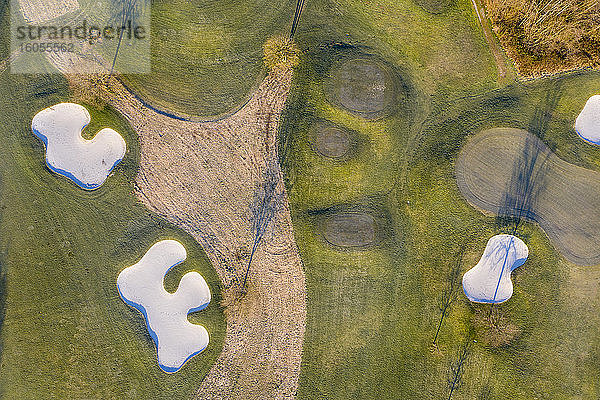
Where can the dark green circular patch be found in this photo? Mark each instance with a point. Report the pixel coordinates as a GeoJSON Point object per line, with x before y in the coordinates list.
{"type": "Point", "coordinates": [364, 86]}
{"type": "Point", "coordinates": [331, 141]}
{"type": "Point", "coordinates": [436, 6]}
{"type": "Point", "coordinates": [351, 229]}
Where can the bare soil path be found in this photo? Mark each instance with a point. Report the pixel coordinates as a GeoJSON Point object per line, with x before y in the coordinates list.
{"type": "Point", "coordinates": [204, 177]}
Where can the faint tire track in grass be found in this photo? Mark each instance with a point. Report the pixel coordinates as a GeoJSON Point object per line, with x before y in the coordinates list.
{"type": "Point", "coordinates": [490, 39]}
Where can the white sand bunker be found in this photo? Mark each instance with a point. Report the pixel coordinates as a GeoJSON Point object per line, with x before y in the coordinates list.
{"type": "Point", "coordinates": [489, 281]}
{"type": "Point", "coordinates": [587, 124]}
{"type": "Point", "coordinates": [141, 286]}
{"type": "Point", "coordinates": [86, 162]}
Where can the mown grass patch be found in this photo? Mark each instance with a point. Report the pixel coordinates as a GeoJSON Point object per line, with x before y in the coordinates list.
{"type": "Point", "coordinates": [436, 6]}
{"type": "Point", "coordinates": [445, 50]}
{"type": "Point", "coordinates": [512, 173]}
{"type": "Point", "coordinates": [207, 56]}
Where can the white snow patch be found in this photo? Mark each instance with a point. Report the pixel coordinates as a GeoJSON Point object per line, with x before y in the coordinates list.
{"type": "Point", "coordinates": [86, 162]}
{"type": "Point", "coordinates": [489, 281]}
{"type": "Point", "coordinates": [142, 287]}
{"type": "Point", "coordinates": [587, 124]}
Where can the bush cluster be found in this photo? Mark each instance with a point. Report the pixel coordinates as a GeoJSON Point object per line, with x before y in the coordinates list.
{"type": "Point", "coordinates": [545, 36]}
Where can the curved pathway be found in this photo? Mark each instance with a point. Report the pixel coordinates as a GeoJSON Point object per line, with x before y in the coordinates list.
{"type": "Point", "coordinates": [203, 177]}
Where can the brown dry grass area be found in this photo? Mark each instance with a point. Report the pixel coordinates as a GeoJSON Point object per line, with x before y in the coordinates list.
{"type": "Point", "coordinates": [548, 36]}
{"type": "Point", "coordinates": [493, 328]}
{"type": "Point", "coordinates": [203, 177]}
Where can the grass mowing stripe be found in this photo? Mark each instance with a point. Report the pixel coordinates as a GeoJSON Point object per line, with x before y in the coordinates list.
{"type": "Point", "coordinates": [559, 196]}
{"type": "Point", "coordinates": [207, 56]}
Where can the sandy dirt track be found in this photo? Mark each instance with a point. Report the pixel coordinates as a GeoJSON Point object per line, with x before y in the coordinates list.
{"type": "Point", "coordinates": [204, 178]}
{"type": "Point", "coordinates": [39, 11]}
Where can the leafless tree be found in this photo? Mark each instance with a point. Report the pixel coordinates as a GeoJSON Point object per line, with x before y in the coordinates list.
{"type": "Point", "coordinates": [457, 368]}
{"type": "Point", "coordinates": [264, 207]}
{"type": "Point", "coordinates": [450, 293]}
{"type": "Point", "coordinates": [529, 172]}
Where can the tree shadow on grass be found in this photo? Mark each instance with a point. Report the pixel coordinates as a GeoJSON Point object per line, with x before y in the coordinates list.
{"type": "Point", "coordinates": [529, 172]}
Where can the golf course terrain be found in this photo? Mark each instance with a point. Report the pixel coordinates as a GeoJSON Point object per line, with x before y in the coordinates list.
{"type": "Point", "coordinates": [65, 332]}
{"type": "Point", "coordinates": [376, 204]}
{"type": "Point", "coordinates": [207, 56]}
{"type": "Point", "coordinates": [512, 173]}
{"type": "Point", "coordinates": [374, 306]}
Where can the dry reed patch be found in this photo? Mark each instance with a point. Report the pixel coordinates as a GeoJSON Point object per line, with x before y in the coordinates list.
{"type": "Point", "coordinates": [548, 36]}
{"type": "Point", "coordinates": [89, 94]}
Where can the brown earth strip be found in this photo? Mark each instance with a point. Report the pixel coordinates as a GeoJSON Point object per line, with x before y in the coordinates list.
{"type": "Point", "coordinates": [204, 177]}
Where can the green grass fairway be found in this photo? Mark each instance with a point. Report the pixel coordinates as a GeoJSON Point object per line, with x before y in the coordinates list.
{"type": "Point", "coordinates": [207, 56]}
{"type": "Point", "coordinates": [66, 332]}
{"type": "Point", "coordinates": [386, 95]}
{"type": "Point", "coordinates": [513, 173]}
{"type": "Point", "coordinates": [436, 6]}
{"type": "Point", "coordinates": [373, 311]}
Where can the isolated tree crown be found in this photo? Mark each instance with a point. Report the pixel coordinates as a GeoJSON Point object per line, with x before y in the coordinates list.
{"type": "Point", "coordinates": [281, 52]}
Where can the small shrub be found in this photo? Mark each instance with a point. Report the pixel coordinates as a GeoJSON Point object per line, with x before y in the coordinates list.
{"type": "Point", "coordinates": [493, 328]}
{"type": "Point", "coordinates": [88, 92]}
{"type": "Point", "coordinates": [281, 53]}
